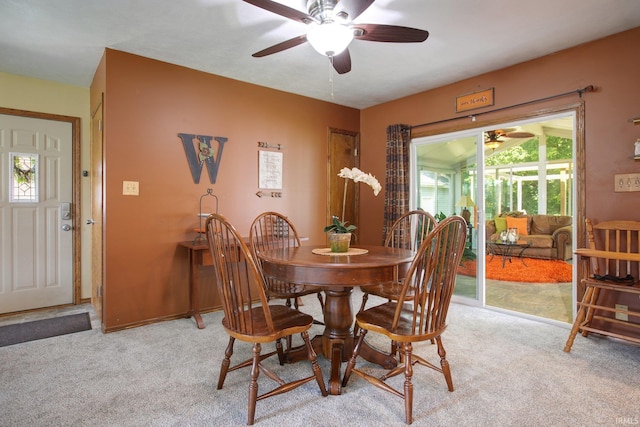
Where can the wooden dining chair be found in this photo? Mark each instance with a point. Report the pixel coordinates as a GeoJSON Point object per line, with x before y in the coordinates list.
{"type": "Point", "coordinates": [272, 230]}
{"type": "Point", "coordinates": [407, 232]}
{"type": "Point", "coordinates": [249, 317]}
{"type": "Point", "coordinates": [610, 263]}
{"type": "Point", "coordinates": [420, 311]}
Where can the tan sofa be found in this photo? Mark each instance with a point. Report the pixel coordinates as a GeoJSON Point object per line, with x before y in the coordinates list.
{"type": "Point", "coordinates": [549, 235]}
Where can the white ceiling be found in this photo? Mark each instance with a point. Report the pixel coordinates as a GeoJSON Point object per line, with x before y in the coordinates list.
{"type": "Point", "coordinates": [63, 40]}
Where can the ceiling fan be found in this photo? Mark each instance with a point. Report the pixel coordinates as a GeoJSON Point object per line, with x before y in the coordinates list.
{"type": "Point", "coordinates": [331, 29]}
{"type": "Point", "coordinates": [492, 137]}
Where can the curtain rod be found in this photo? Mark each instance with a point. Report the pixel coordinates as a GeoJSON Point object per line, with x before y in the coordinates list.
{"type": "Point", "coordinates": [589, 88]}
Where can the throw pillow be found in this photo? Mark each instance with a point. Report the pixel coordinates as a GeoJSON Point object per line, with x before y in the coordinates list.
{"type": "Point", "coordinates": [501, 224]}
{"type": "Point", "coordinates": [519, 223]}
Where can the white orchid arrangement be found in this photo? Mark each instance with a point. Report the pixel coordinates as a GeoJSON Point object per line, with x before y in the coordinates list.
{"type": "Point", "coordinates": [356, 175]}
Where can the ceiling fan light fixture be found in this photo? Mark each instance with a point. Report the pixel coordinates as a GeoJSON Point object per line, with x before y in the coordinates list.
{"type": "Point", "coordinates": [329, 38]}
{"type": "Point", "coordinates": [492, 144]}
{"type": "Point", "coordinates": [492, 140]}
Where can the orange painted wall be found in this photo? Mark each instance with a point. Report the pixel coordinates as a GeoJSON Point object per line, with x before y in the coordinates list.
{"type": "Point", "coordinates": [147, 103]}
{"type": "Point", "coordinates": [611, 64]}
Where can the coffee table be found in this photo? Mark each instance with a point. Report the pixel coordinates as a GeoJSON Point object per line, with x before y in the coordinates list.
{"type": "Point", "coordinates": [507, 250]}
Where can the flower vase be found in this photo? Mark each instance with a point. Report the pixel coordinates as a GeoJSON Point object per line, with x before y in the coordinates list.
{"type": "Point", "coordinates": [339, 242]}
{"type": "Point", "coordinates": [512, 235]}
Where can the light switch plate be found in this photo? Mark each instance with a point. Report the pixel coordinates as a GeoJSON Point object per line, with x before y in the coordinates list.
{"type": "Point", "coordinates": [626, 182]}
{"type": "Point", "coordinates": [130, 188]}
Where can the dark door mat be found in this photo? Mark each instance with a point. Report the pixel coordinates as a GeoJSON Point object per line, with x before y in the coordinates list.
{"type": "Point", "coordinates": [46, 328]}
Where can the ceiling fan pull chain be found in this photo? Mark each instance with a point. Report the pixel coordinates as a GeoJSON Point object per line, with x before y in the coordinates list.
{"type": "Point", "coordinates": [331, 74]}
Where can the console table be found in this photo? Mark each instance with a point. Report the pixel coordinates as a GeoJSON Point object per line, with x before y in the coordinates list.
{"type": "Point", "coordinates": [198, 255]}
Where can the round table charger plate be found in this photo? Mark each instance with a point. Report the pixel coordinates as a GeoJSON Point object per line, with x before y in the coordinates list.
{"type": "Point", "coordinates": [351, 251]}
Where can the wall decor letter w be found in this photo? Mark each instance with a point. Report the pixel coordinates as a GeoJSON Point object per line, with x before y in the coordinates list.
{"type": "Point", "coordinates": [204, 155]}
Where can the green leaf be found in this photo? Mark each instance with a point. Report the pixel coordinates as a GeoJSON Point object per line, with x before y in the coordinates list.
{"type": "Point", "coordinates": [338, 226]}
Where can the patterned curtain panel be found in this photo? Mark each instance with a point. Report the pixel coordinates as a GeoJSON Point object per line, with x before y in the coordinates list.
{"type": "Point", "coordinates": [396, 198]}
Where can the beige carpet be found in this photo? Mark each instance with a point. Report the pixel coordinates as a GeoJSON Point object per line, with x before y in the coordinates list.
{"type": "Point", "coordinates": [507, 371]}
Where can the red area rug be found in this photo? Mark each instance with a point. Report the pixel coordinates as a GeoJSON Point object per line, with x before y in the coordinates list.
{"type": "Point", "coordinates": [537, 270]}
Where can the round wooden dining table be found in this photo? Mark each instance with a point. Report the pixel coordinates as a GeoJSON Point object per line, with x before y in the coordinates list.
{"type": "Point", "coordinates": [337, 275]}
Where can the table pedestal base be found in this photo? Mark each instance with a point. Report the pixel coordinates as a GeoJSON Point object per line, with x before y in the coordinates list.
{"type": "Point", "coordinates": [336, 342]}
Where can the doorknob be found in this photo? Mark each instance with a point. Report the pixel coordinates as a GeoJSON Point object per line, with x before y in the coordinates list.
{"type": "Point", "coordinates": [66, 227]}
{"type": "Point", "coordinates": [90, 222]}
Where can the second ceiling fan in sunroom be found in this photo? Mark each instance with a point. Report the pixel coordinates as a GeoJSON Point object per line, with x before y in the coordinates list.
{"type": "Point", "coordinates": [493, 141]}
{"type": "Point", "coordinates": [330, 29]}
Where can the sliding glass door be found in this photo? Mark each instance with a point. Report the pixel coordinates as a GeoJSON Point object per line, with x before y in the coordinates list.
{"type": "Point", "coordinates": [522, 169]}
{"type": "Point", "coordinates": [445, 183]}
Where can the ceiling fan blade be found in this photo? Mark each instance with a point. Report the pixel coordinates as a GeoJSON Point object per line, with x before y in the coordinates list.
{"type": "Point", "coordinates": [342, 62]}
{"type": "Point", "coordinates": [519, 135]}
{"type": "Point", "coordinates": [390, 33]}
{"type": "Point", "coordinates": [504, 131]}
{"type": "Point", "coordinates": [353, 8]}
{"type": "Point", "coordinates": [282, 10]}
{"type": "Point", "coordinates": [287, 44]}
{"type": "Point", "coordinates": [513, 133]}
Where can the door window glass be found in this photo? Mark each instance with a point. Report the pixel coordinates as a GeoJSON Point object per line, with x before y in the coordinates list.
{"type": "Point", "coordinates": [24, 177]}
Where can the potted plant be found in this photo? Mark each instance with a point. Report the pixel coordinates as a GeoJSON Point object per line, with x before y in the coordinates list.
{"type": "Point", "coordinates": [339, 231]}
{"type": "Point", "coordinates": [339, 234]}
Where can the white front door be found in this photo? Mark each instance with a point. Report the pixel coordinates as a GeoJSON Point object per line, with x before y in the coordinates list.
{"type": "Point", "coordinates": [36, 213]}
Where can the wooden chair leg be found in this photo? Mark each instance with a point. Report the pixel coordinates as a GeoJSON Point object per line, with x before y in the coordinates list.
{"type": "Point", "coordinates": [253, 384]}
{"type": "Point", "coordinates": [408, 385]}
{"type": "Point", "coordinates": [319, 295]}
{"type": "Point", "coordinates": [580, 316]}
{"type": "Point", "coordinates": [281, 358]}
{"type": "Point", "coordinates": [590, 310]}
{"type": "Point", "coordinates": [224, 368]}
{"type": "Point", "coordinates": [394, 348]}
{"type": "Point", "coordinates": [321, 299]}
{"type": "Point", "coordinates": [444, 363]}
{"type": "Point", "coordinates": [365, 297]}
{"type": "Point", "coordinates": [313, 358]}
{"type": "Point", "coordinates": [352, 360]}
